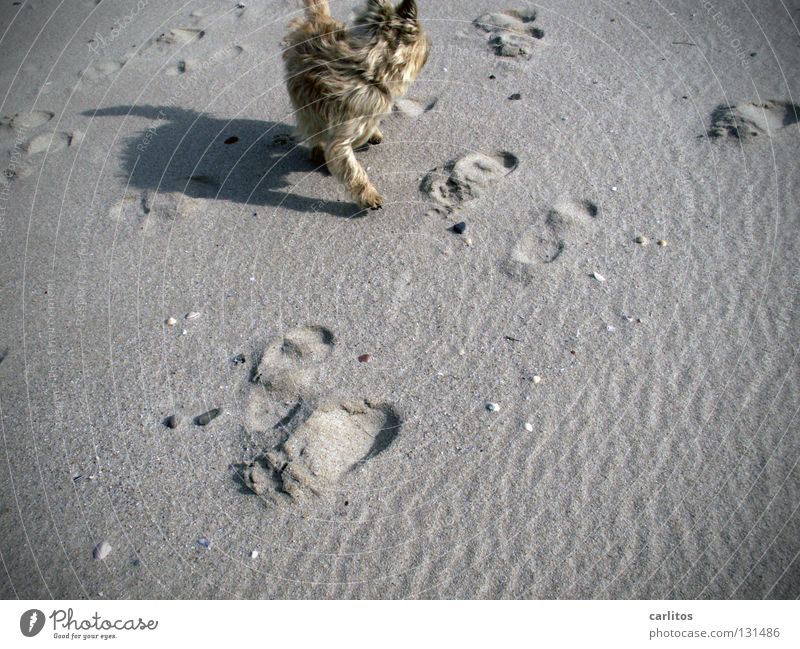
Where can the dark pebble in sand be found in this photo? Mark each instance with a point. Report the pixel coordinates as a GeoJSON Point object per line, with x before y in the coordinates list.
{"type": "Point", "coordinates": [515, 97]}
{"type": "Point", "coordinates": [173, 421]}
{"type": "Point", "coordinates": [207, 417]}
{"type": "Point", "coordinates": [239, 359]}
{"type": "Point", "coordinates": [204, 542]}
{"type": "Point", "coordinates": [492, 77]}
{"type": "Point", "coordinates": [460, 227]}
{"type": "Point", "coordinates": [232, 140]}
{"type": "Point", "coordinates": [364, 358]}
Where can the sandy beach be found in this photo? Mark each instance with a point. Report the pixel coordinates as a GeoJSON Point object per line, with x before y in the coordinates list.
{"type": "Point", "coordinates": [220, 378]}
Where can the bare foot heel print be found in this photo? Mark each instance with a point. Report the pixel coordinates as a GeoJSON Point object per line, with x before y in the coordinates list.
{"type": "Point", "coordinates": [569, 224]}
{"type": "Point", "coordinates": [101, 69]}
{"type": "Point", "coordinates": [413, 108]}
{"type": "Point", "coordinates": [335, 439]}
{"type": "Point", "coordinates": [52, 142]}
{"type": "Point", "coordinates": [166, 206]}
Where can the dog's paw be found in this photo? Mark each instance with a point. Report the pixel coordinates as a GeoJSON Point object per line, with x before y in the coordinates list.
{"type": "Point", "coordinates": [370, 198]}
{"type": "Point", "coordinates": [376, 137]}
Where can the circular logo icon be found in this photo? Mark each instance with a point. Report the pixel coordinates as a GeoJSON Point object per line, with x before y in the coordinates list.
{"type": "Point", "coordinates": [31, 622]}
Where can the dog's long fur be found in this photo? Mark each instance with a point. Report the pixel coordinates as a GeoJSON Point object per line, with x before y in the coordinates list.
{"type": "Point", "coordinates": [343, 81]}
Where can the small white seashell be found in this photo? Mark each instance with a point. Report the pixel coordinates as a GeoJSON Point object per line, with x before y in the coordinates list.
{"type": "Point", "coordinates": [529, 426]}
{"type": "Point", "coordinates": [468, 241]}
{"type": "Point", "coordinates": [101, 550]}
{"type": "Point", "coordinates": [642, 240]}
{"type": "Point", "coordinates": [171, 322]}
{"type": "Point", "coordinates": [192, 316]}
{"type": "Point", "coordinates": [598, 277]}
{"type": "Point", "coordinates": [662, 243]}
{"type": "Point", "coordinates": [537, 379]}
{"type": "Point", "coordinates": [613, 189]}
{"type": "Point", "coordinates": [493, 407]}
{"type": "Point", "coordinates": [254, 554]}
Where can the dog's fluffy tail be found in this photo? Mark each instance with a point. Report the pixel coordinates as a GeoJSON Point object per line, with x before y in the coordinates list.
{"type": "Point", "coordinates": [317, 9]}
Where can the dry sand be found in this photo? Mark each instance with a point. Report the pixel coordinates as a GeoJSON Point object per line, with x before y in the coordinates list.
{"type": "Point", "coordinates": [151, 175]}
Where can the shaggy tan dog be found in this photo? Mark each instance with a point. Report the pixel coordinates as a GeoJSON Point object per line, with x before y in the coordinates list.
{"type": "Point", "coordinates": [343, 81]}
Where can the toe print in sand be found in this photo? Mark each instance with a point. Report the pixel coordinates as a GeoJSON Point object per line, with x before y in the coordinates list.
{"type": "Point", "coordinates": [751, 119]}
{"type": "Point", "coordinates": [511, 33]}
{"type": "Point", "coordinates": [569, 225]}
{"type": "Point", "coordinates": [291, 364]}
{"type": "Point", "coordinates": [335, 439]}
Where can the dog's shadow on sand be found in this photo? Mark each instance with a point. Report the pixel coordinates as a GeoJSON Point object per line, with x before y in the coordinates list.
{"type": "Point", "coordinates": [240, 160]}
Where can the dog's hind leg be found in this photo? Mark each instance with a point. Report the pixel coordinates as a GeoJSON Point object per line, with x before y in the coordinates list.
{"type": "Point", "coordinates": [342, 163]}
{"type": "Point", "coordinates": [318, 155]}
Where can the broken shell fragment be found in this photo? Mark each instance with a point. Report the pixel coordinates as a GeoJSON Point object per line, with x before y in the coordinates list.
{"type": "Point", "coordinates": [101, 550]}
